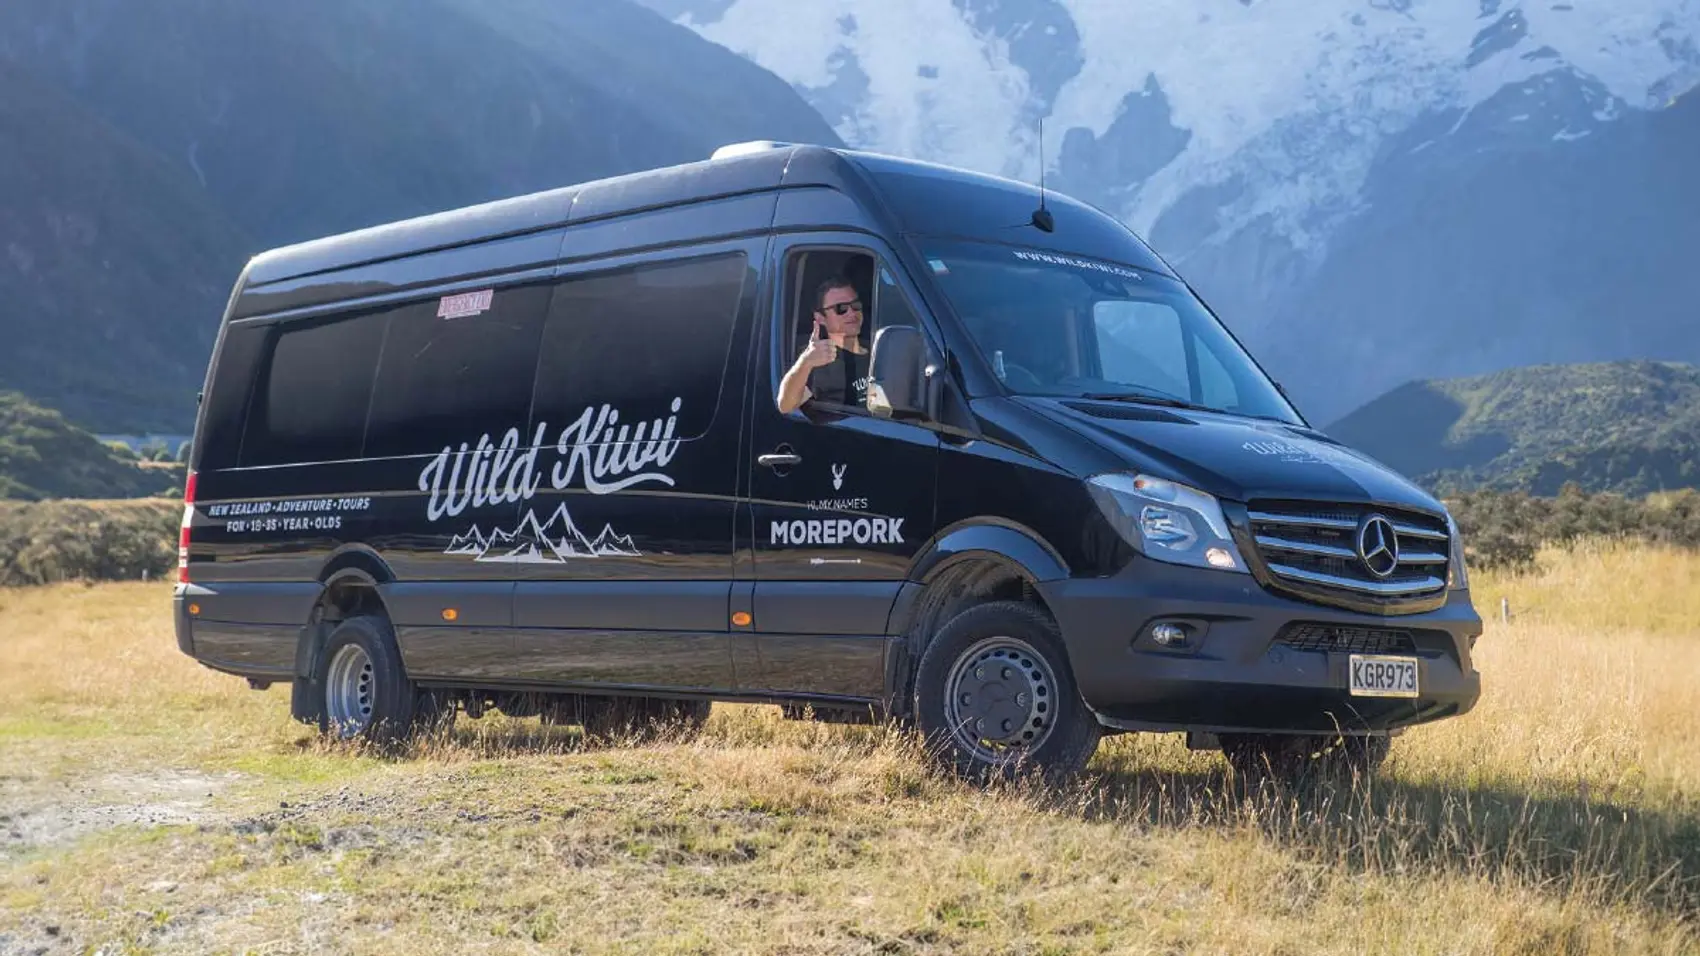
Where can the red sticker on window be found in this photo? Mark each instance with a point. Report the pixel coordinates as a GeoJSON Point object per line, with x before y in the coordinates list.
{"type": "Point", "coordinates": [465, 304]}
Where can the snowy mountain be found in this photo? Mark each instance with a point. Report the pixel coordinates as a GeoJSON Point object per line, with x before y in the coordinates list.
{"type": "Point", "coordinates": [1291, 158]}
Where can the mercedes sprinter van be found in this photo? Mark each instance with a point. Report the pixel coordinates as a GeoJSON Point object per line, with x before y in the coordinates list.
{"type": "Point", "coordinates": [862, 437]}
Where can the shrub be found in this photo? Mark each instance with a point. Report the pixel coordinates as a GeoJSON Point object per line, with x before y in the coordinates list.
{"type": "Point", "coordinates": [51, 541]}
{"type": "Point", "coordinates": [1506, 529]}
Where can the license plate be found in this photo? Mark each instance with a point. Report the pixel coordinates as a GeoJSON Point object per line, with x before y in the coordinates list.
{"type": "Point", "coordinates": [1378, 676]}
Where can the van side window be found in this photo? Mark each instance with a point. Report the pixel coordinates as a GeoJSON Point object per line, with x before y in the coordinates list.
{"type": "Point", "coordinates": [830, 297]}
{"type": "Point", "coordinates": [637, 338]}
{"type": "Point", "coordinates": [219, 439]}
{"type": "Point", "coordinates": [443, 380]}
{"type": "Point", "coordinates": [309, 404]}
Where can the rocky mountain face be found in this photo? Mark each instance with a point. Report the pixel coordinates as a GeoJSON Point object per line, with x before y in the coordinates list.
{"type": "Point", "coordinates": [153, 145]}
{"type": "Point", "coordinates": [1369, 191]}
{"type": "Point", "coordinates": [113, 265]}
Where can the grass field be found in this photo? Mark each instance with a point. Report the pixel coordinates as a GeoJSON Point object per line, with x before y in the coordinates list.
{"type": "Point", "coordinates": [148, 805]}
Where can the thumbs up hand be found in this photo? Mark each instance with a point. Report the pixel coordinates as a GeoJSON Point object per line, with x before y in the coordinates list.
{"type": "Point", "coordinates": [820, 351]}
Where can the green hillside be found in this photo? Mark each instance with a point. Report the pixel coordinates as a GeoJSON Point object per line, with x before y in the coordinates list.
{"type": "Point", "coordinates": [1628, 427]}
{"type": "Point", "coordinates": [44, 456]}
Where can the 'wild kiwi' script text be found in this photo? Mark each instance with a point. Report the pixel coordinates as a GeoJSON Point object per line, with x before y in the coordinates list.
{"type": "Point", "coordinates": [591, 448]}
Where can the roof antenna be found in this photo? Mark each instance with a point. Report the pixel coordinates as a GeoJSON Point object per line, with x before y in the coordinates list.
{"type": "Point", "coordinates": [1042, 218]}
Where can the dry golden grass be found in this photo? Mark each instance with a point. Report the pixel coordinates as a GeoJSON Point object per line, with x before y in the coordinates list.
{"type": "Point", "coordinates": [1561, 816]}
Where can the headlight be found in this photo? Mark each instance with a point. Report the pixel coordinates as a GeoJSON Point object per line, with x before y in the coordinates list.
{"type": "Point", "coordinates": [1457, 578]}
{"type": "Point", "coordinates": [1167, 521]}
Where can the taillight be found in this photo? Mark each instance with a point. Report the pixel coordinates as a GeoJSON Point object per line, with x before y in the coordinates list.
{"type": "Point", "coordinates": [183, 530]}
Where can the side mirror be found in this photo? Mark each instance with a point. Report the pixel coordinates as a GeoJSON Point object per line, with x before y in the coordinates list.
{"type": "Point", "coordinates": [898, 373]}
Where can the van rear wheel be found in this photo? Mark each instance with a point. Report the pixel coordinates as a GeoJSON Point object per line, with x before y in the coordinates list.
{"type": "Point", "coordinates": [366, 693]}
{"type": "Point", "coordinates": [994, 696]}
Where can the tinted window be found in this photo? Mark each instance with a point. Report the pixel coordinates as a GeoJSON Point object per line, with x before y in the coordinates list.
{"type": "Point", "coordinates": [219, 438]}
{"type": "Point", "coordinates": [448, 380]}
{"type": "Point", "coordinates": [636, 339]}
{"type": "Point", "coordinates": [310, 401]}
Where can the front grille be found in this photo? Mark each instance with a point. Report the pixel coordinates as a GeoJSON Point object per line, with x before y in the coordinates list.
{"type": "Point", "coordinates": [1312, 548]}
{"type": "Point", "coordinates": [1346, 640]}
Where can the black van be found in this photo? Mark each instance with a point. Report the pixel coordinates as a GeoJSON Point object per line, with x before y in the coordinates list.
{"type": "Point", "coordinates": [532, 455]}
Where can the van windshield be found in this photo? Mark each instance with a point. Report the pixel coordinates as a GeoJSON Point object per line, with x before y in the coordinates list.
{"type": "Point", "coordinates": [1065, 325]}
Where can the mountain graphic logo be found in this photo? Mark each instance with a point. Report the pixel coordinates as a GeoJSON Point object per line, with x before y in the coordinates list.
{"type": "Point", "coordinates": [542, 542]}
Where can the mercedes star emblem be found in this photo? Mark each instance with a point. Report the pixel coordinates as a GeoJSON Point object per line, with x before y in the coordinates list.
{"type": "Point", "coordinates": [1378, 545]}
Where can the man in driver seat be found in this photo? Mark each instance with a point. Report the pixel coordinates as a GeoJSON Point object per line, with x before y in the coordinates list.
{"type": "Point", "coordinates": [833, 367]}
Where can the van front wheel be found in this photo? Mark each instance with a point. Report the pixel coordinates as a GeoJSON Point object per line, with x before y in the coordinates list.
{"type": "Point", "coordinates": [994, 696]}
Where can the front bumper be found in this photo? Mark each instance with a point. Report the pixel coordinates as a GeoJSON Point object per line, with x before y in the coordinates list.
{"type": "Point", "coordinates": [1236, 675]}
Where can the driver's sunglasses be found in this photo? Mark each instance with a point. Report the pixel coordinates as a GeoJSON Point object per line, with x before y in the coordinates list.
{"type": "Point", "coordinates": [840, 308]}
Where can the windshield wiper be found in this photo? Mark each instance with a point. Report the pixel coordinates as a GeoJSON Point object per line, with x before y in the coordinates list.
{"type": "Point", "coordinates": [1164, 399]}
{"type": "Point", "coordinates": [1143, 398]}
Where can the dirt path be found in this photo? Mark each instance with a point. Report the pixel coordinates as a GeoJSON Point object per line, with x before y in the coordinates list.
{"type": "Point", "coordinates": [42, 814]}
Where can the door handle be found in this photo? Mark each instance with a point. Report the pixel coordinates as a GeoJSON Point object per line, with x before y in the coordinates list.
{"type": "Point", "coordinates": [779, 459]}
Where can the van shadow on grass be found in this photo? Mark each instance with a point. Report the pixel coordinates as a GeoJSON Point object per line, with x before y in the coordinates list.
{"type": "Point", "coordinates": [1571, 842]}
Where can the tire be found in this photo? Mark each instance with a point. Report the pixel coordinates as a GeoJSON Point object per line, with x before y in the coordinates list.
{"type": "Point", "coordinates": [1026, 714]}
{"type": "Point", "coordinates": [365, 692]}
{"type": "Point", "coordinates": [642, 719]}
{"type": "Point", "coordinates": [1293, 758]}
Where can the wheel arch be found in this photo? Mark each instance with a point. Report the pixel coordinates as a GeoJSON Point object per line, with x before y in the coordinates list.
{"type": "Point", "coordinates": [352, 582]}
{"type": "Point", "coordinates": [359, 560]}
{"type": "Point", "coordinates": [970, 563]}
{"type": "Point", "coordinates": [990, 539]}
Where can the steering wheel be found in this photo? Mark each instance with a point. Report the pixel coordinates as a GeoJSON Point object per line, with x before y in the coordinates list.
{"type": "Point", "coordinates": [1012, 371]}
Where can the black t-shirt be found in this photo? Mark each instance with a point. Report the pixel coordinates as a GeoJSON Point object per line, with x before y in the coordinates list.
{"type": "Point", "coordinates": [843, 381]}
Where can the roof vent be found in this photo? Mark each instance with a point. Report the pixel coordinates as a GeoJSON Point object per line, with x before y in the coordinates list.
{"type": "Point", "coordinates": [744, 149]}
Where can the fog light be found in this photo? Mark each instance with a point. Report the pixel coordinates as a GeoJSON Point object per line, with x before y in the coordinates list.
{"type": "Point", "coordinates": [1219, 558]}
{"type": "Point", "coordinates": [1169, 635]}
